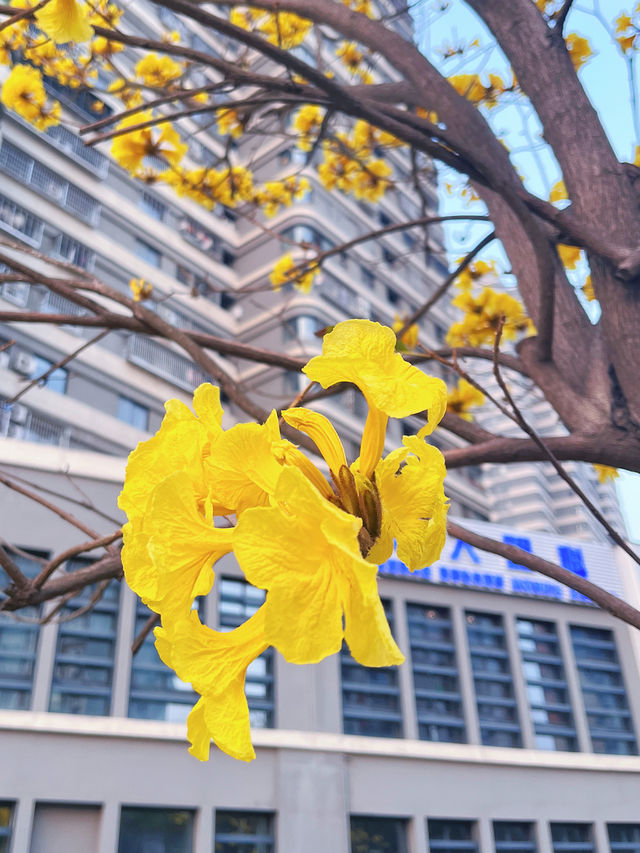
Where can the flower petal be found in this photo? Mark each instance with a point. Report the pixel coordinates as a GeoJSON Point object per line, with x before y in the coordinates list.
{"type": "Point", "coordinates": [363, 353]}
{"type": "Point", "coordinates": [414, 507]}
{"type": "Point", "coordinates": [64, 20]}
{"type": "Point", "coordinates": [242, 466]}
{"type": "Point", "coordinates": [367, 631]}
{"type": "Point", "coordinates": [321, 431]}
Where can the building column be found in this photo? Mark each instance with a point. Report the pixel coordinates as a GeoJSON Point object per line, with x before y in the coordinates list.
{"type": "Point", "coordinates": [22, 825]}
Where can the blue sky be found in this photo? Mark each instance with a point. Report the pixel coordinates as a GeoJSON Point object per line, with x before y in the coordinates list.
{"type": "Point", "coordinates": [606, 78]}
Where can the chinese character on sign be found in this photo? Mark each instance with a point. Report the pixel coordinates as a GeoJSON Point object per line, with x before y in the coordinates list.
{"type": "Point", "coordinates": [519, 542]}
{"type": "Point", "coordinates": [460, 546]}
{"type": "Point", "coordinates": [573, 560]}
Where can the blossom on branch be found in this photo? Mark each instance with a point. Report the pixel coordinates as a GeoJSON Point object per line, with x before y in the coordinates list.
{"type": "Point", "coordinates": [311, 537]}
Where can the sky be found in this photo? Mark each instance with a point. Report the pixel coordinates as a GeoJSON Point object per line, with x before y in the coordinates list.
{"type": "Point", "coordinates": [606, 78]}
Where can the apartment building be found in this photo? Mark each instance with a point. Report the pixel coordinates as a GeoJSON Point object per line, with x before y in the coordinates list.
{"type": "Point", "coordinates": [513, 724]}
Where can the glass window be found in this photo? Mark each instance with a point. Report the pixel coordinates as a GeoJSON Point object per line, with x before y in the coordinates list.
{"type": "Point", "coordinates": [85, 652]}
{"type": "Point", "coordinates": [147, 253]}
{"type": "Point", "coordinates": [378, 835]}
{"type": "Point", "coordinates": [244, 832]}
{"type": "Point", "coordinates": [435, 674]}
{"type": "Point", "coordinates": [133, 413]}
{"type": "Point", "coordinates": [6, 819]}
{"type": "Point", "coordinates": [156, 692]}
{"type": "Point", "coordinates": [238, 601]}
{"type": "Point", "coordinates": [452, 836]}
{"type": "Point", "coordinates": [547, 689]}
{"type": "Point", "coordinates": [161, 830]}
{"type": "Point", "coordinates": [624, 837]}
{"type": "Point", "coordinates": [18, 645]}
{"type": "Point", "coordinates": [74, 252]}
{"type": "Point", "coordinates": [153, 206]}
{"type": "Point", "coordinates": [370, 695]}
{"type": "Point", "coordinates": [514, 836]}
{"type": "Point", "coordinates": [56, 380]}
{"type": "Point", "coordinates": [497, 709]}
{"type": "Point", "coordinates": [603, 691]}
{"type": "Point", "coordinates": [572, 838]}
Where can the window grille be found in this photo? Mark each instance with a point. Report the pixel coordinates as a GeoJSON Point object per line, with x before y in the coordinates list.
{"type": "Point", "coordinates": [156, 692]}
{"type": "Point", "coordinates": [163, 362]}
{"type": "Point", "coordinates": [497, 709]}
{"type": "Point", "coordinates": [18, 647]}
{"type": "Point", "coordinates": [239, 832]}
{"type": "Point", "coordinates": [68, 142]}
{"type": "Point", "coordinates": [603, 691]}
{"type": "Point", "coordinates": [238, 601]}
{"type": "Point", "coordinates": [572, 838]}
{"type": "Point", "coordinates": [435, 674]}
{"type": "Point", "coordinates": [19, 222]}
{"type": "Point", "coordinates": [547, 689]}
{"type": "Point", "coordinates": [514, 836]}
{"type": "Point", "coordinates": [85, 652]}
{"type": "Point", "coordinates": [452, 836]}
{"type": "Point", "coordinates": [624, 837]}
{"type": "Point", "coordinates": [370, 695]}
{"type": "Point", "coordinates": [70, 250]}
{"type": "Point", "coordinates": [378, 835]}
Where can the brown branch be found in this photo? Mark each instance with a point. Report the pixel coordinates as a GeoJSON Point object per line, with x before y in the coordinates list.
{"type": "Point", "coordinates": [446, 284]}
{"type": "Point", "coordinates": [52, 565]}
{"type": "Point", "coordinates": [618, 608]}
{"type": "Point", "coordinates": [66, 516]}
{"type": "Point", "coordinates": [24, 13]}
{"type": "Point", "coordinates": [12, 570]}
{"type": "Point", "coordinates": [152, 621]}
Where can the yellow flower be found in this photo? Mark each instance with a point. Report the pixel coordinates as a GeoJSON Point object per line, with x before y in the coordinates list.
{"type": "Point", "coordinates": [350, 55]}
{"type": "Point", "coordinates": [471, 87]}
{"type": "Point", "coordinates": [587, 289]}
{"type": "Point", "coordinates": [286, 271]}
{"type": "Point", "coordinates": [558, 192]}
{"type": "Point", "coordinates": [569, 255]}
{"type": "Point", "coordinates": [161, 141]}
{"type": "Point", "coordinates": [311, 543]}
{"type": "Point", "coordinates": [483, 314]}
{"type": "Point", "coordinates": [473, 272]}
{"type": "Point", "coordinates": [464, 397]}
{"type": "Point", "coordinates": [606, 473]}
{"type": "Point", "coordinates": [23, 91]}
{"type": "Point", "coordinates": [229, 123]}
{"type": "Point", "coordinates": [155, 70]}
{"type": "Point", "coordinates": [410, 338]}
{"type": "Point", "coordinates": [141, 289]}
{"type": "Point", "coordinates": [64, 20]}
{"type": "Point", "coordinates": [579, 50]}
{"type": "Point", "coordinates": [371, 181]}
{"type": "Point", "coordinates": [307, 121]}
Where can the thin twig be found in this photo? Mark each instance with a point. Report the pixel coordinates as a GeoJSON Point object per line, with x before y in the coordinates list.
{"type": "Point", "coordinates": [53, 564]}
{"type": "Point", "coordinates": [152, 621]}
{"type": "Point", "coordinates": [526, 427]}
{"type": "Point", "coordinates": [12, 570]}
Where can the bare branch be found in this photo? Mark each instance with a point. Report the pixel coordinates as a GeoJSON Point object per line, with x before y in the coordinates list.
{"type": "Point", "coordinates": [149, 625]}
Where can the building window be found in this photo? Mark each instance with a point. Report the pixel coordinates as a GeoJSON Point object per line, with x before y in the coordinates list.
{"type": "Point", "coordinates": [85, 653]}
{"type": "Point", "coordinates": [378, 835]}
{"type": "Point", "coordinates": [603, 691]}
{"type": "Point", "coordinates": [19, 222]}
{"type": "Point", "coordinates": [623, 837]}
{"type": "Point", "coordinates": [497, 710]}
{"type": "Point", "coordinates": [370, 695]}
{"type": "Point", "coordinates": [514, 836]}
{"type": "Point", "coordinates": [55, 381]}
{"type": "Point", "coordinates": [435, 674]}
{"type": "Point", "coordinates": [6, 819]}
{"type": "Point", "coordinates": [147, 253]}
{"type": "Point", "coordinates": [452, 836]}
{"type": "Point", "coordinates": [70, 250]}
{"type": "Point", "coordinates": [143, 830]}
{"type": "Point", "coordinates": [133, 413]}
{"type": "Point", "coordinates": [238, 832]}
{"type": "Point", "coordinates": [18, 645]}
{"type": "Point", "coordinates": [156, 692]}
{"type": "Point", "coordinates": [547, 689]}
{"type": "Point", "coordinates": [238, 601]}
{"type": "Point", "coordinates": [572, 838]}
{"type": "Point", "coordinates": [152, 206]}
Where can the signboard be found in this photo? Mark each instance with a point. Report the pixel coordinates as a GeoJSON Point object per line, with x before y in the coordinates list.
{"type": "Point", "coordinates": [466, 566]}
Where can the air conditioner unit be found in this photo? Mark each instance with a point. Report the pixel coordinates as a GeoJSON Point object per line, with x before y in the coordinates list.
{"type": "Point", "coordinates": [23, 362]}
{"type": "Point", "coordinates": [19, 414]}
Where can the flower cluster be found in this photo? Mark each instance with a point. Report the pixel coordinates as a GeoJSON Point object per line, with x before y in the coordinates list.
{"type": "Point", "coordinates": [195, 492]}
{"type": "Point", "coordinates": [483, 314]}
{"type": "Point", "coordinates": [463, 397]}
